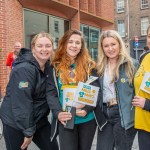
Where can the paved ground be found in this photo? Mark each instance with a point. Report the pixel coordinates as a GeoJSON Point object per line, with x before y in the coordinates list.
{"type": "Point", "coordinates": [33, 146]}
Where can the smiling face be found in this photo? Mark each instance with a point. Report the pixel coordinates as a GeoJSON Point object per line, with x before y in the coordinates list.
{"type": "Point", "coordinates": [74, 46]}
{"type": "Point", "coordinates": [111, 48]}
{"type": "Point", "coordinates": [17, 48]}
{"type": "Point", "coordinates": [42, 49]}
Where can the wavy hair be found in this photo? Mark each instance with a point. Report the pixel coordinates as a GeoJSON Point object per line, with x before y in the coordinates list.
{"type": "Point", "coordinates": [124, 57]}
{"type": "Point", "coordinates": [62, 61]}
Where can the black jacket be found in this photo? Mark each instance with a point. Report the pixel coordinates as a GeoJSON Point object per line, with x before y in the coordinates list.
{"type": "Point", "coordinates": [53, 101]}
{"type": "Point", "coordinates": [24, 106]}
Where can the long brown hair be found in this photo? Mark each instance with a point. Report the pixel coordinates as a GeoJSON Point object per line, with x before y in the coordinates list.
{"type": "Point", "coordinates": [62, 61]}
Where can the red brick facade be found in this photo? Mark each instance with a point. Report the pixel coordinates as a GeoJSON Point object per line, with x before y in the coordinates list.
{"type": "Point", "coordinates": [96, 13]}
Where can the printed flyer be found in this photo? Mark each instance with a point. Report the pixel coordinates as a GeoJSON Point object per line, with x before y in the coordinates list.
{"type": "Point", "coordinates": [69, 92]}
{"type": "Point", "coordinates": [86, 94]}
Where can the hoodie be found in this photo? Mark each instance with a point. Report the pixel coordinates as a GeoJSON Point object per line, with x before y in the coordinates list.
{"type": "Point", "coordinates": [24, 106]}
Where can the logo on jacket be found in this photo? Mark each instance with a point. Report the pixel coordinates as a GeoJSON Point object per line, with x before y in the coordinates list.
{"type": "Point", "coordinates": [123, 80]}
{"type": "Point", "coordinates": [23, 84]}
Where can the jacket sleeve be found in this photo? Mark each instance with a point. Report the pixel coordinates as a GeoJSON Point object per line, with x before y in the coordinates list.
{"type": "Point", "coordinates": [147, 105]}
{"type": "Point", "coordinates": [21, 99]}
{"type": "Point", "coordinates": [52, 94]}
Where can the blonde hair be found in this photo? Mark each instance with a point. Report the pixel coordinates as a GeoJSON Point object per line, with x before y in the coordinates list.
{"type": "Point", "coordinates": [148, 29]}
{"type": "Point", "coordinates": [123, 57]}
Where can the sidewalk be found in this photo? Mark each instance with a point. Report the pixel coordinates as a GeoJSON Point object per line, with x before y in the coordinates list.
{"type": "Point", "coordinates": [34, 147]}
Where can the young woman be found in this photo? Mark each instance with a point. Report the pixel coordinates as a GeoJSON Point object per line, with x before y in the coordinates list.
{"type": "Point", "coordinates": [72, 64]}
{"type": "Point", "coordinates": [142, 101]}
{"type": "Point", "coordinates": [116, 71]}
{"type": "Point", "coordinates": [24, 109]}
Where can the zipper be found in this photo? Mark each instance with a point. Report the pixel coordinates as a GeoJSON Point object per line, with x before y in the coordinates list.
{"type": "Point", "coordinates": [100, 128]}
{"type": "Point", "coordinates": [55, 130]}
{"type": "Point", "coordinates": [58, 96]}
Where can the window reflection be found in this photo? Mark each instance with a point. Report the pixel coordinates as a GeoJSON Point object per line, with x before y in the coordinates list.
{"type": "Point", "coordinates": [91, 36]}
{"type": "Point", "coordinates": [35, 22]}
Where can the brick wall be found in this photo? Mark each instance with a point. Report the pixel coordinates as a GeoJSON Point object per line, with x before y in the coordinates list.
{"type": "Point", "coordinates": [11, 30]}
{"type": "Point", "coordinates": [2, 46]}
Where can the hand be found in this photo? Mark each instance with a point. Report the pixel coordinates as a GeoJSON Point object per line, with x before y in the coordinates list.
{"type": "Point", "coordinates": [80, 106]}
{"type": "Point", "coordinates": [81, 113]}
{"type": "Point", "coordinates": [138, 101]}
{"type": "Point", "coordinates": [64, 116]}
{"type": "Point", "coordinates": [26, 142]}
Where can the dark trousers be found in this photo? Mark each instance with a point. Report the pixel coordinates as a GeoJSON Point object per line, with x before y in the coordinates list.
{"type": "Point", "coordinates": [144, 140]}
{"type": "Point", "coordinates": [113, 135]}
{"type": "Point", "coordinates": [14, 138]}
{"type": "Point", "coordinates": [80, 138]}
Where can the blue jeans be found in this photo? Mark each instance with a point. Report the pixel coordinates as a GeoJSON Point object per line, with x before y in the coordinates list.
{"type": "Point", "coordinates": [113, 134]}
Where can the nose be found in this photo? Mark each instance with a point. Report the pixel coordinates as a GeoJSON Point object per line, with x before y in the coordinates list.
{"type": "Point", "coordinates": [110, 47]}
{"type": "Point", "coordinates": [74, 44]}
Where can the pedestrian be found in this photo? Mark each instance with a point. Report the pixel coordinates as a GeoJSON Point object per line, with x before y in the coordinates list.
{"type": "Point", "coordinates": [24, 109]}
{"type": "Point", "coordinates": [146, 50]}
{"type": "Point", "coordinates": [116, 70]}
{"type": "Point", "coordinates": [142, 101]}
{"type": "Point", "coordinates": [72, 64]}
{"type": "Point", "coordinates": [12, 56]}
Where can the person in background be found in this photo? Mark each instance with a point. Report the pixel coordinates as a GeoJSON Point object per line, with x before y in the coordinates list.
{"type": "Point", "coordinates": [142, 101]}
{"type": "Point", "coordinates": [24, 109]}
{"type": "Point", "coordinates": [12, 56]}
{"type": "Point", "coordinates": [146, 50]}
{"type": "Point", "coordinates": [116, 70]}
{"type": "Point", "coordinates": [72, 64]}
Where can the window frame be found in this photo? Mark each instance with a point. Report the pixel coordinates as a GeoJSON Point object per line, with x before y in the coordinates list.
{"type": "Point", "coordinates": [144, 5]}
{"type": "Point", "coordinates": [120, 6]}
{"type": "Point", "coordinates": [144, 30]}
{"type": "Point", "coordinates": [118, 28]}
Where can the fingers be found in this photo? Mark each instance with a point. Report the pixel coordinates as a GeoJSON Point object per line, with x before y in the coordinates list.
{"type": "Point", "coordinates": [64, 116]}
{"type": "Point", "coordinates": [80, 106]}
{"type": "Point", "coordinates": [81, 113]}
{"type": "Point", "coordinates": [137, 97]}
{"type": "Point", "coordinates": [26, 143]}
{"type": "Point", "coordinates": [139, 102]}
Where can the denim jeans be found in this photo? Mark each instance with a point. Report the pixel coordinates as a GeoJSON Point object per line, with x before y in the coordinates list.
{"type": "Point", "coordinates": [80, 138]}
{"type": "Point", "coordinates": [113, 134]}
{"type": "Point", "coordinates": [14, 138]}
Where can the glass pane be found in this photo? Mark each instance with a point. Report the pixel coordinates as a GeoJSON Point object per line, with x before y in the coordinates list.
{"type": "Point", "coordinates": [57, 28]}
{"type": "Point", "coordinates": [93, 44]}
{"type": "Point", "coordinates": [34, 23]}
{"type": "Point", "coordinates": [85, 30]}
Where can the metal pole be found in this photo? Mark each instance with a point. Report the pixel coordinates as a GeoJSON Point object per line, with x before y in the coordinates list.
{"type": "Point", "coordinates": [136, 53]}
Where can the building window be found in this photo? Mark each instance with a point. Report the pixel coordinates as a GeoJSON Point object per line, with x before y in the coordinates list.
{"type": "Point", "coordinates": [56, 26]}
{"type": "Point", "coordinates": [120, 6]}
{"type": "Point", "coordinates": [121, 28]}
{"type": "Point", "coordinates": [91, 36]}
{"type": "Point", "coordinates": [144, 4]}
{"type": "Point", "coordinates": [144, 25]}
